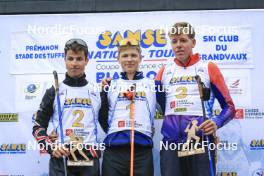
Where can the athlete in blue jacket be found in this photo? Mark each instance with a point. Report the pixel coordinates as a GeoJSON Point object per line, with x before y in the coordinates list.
{"type": "Point", "coordinates": [115, 118]}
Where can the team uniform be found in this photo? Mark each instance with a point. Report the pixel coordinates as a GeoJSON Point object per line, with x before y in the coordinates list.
{"type": "Point", "coordinates": [80, 103]}
{"type": "Point", "coordinates": [114, 116]}
{"type": "Point", "coordinates": [183, 104]}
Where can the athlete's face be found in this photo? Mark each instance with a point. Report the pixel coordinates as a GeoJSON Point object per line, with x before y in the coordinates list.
{"type": "Point", "coordinates": [182, 47]}
{"type": "Point", "coordinates": [129, 59]}
{"type": "Point", "coordinates": [75, 63]}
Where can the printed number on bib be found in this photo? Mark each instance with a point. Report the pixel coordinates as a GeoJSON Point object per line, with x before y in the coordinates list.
{"type": "Point", "coordinates": [77, 123]}
{"type": "Point", "coordinates": [182, 92]}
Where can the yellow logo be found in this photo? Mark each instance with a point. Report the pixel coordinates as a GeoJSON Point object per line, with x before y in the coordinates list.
{"type": "Point", "coordinates": [9, 117]}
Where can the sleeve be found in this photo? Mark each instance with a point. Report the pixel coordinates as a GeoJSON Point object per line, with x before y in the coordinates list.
{"type": "Point", "coordinates": [222, 94]}
{"type": "Point", "coordinates": [160, 92]}
{"type": "Point", "coordinates": [43, 115]}
{"type": "Point", "coordinates": [160, 95]}
{"type": "Point", "coordinates": [103, 112]}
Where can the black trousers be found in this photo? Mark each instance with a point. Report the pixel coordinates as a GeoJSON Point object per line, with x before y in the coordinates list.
{"type": "Point", "coordinates": [56, 168]}
{"type": "Point", "coordinates": [116, 161]}
{"type": "Point", "coordinates": [195, 165]}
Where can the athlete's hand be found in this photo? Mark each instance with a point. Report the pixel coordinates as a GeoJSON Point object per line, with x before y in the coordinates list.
{"type": "Point", "coordinates": [60, 150]}
{"type": "Point", "coordinates": [208, 127]}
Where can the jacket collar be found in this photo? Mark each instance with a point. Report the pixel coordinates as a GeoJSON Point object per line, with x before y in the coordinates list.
{"type": "Point", "coordinates": [193, 59]}
{"type": "Point", "coordinates": [138, 75]}
{"type": "Point", "coordinates": [75, 82]}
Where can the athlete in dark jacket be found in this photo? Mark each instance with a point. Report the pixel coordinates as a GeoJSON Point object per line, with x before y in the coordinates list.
{"type": "Point", "coordinates": [80, 103]}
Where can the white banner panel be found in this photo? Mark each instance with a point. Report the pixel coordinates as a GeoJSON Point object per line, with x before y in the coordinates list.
{"type": "Point", "coordinates": [228, 46]}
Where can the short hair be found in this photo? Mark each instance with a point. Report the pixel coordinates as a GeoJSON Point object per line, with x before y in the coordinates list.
{"type": "Point", "coordinates": [76, 45]}
{"type": "Point", "coordinates": [182, 28]}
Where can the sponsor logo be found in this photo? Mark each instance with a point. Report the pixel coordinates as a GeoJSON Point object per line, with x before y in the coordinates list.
{"type": "Point", "coordinates": [12, 148]}
{"type": "Point", "coordinates": [31, 91]}
{"type": "Point", "coordinates": [184, 103]}
{"type": "Point", "coordinates": [77, 132]}
{"type": "Point", "coordinates": [235, 84]}
{"type": "Point", "coordinates": [257, 144]}
{"type": "Point", "coordinates": [180, 109]}
{"type": "Point", "coordinates": [9, 117]}
{"type": "Point", "coordinates": [183, 80]}
{"type": "Point", "coordinates": [239, 114]}
{"type": "Point", "coordinates": [32, 88]}
{"type": "Point", "coordinates": [128, 123]}
{"type": "Point", "coordinates": [84, 102]}
{"type": "Point", "coordinates": [172, 104]}
{"type": "Point", "coordinates": [253, 113]}
{"type": "Point", "coordinates": [121, 123]}
{"type": "Point", "coordinates": [235, 87]}
{"type": "Point", "coordinates": [245, 113]}
{"type": "Point", "coordinates": [68, 132]}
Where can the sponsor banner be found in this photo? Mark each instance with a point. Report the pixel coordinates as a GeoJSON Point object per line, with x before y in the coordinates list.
{"type": "Point", "coordinates": [34, 47]}
{"type": "Point", "coordinates": [37, 51]}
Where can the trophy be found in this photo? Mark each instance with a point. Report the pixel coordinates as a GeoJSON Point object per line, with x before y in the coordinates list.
{"type": "Point", "coordinates": [189, 148]}
{"type": "Point", "coordinates": [77, 155]}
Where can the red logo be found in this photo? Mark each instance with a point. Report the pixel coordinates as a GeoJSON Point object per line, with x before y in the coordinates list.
{"type": "Point", "coordinates": [68, 132]}
{"type": "Point", "coordinates": [121, 124]}
{"type": "Point", "coordinates": [239, 114]}
{"type": "Point", "coordinates": [172, 104]}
